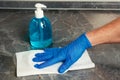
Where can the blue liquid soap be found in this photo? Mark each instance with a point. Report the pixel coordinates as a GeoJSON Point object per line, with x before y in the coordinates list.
{"type": "Point", "coordinates": [40, 30]}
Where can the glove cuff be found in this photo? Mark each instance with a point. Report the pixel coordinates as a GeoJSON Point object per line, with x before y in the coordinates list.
{"type": "Point", "coordinates": [84, 41]}
{"type": "Point", "coordinates": [88, 43]}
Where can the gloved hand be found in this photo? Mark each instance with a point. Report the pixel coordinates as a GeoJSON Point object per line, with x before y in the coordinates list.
{"type": "Point", "coordinates": [68, 54]}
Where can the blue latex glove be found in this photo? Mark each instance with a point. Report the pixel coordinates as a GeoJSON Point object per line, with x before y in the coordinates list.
{"type": "Point", "coordinates": [68, 54]}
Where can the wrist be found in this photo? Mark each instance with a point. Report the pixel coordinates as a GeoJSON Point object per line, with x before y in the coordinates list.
{"type": "Point", "coordinates": [95, 38]}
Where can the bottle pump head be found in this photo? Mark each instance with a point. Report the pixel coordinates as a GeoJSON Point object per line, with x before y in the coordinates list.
{"type": "Point", "coordinates": [39, 12]}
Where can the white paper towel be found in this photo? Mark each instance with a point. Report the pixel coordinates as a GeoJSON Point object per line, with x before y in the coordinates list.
{"type": "Point", "coordinates": [25, 65]}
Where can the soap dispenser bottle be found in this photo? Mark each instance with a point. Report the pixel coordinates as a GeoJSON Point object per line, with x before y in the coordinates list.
{"type": "Point", "coordinates": [40, 29]}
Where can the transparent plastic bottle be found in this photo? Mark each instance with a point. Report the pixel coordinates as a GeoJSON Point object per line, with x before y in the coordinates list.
{"type": "Point", "coordinates": [40, 29]}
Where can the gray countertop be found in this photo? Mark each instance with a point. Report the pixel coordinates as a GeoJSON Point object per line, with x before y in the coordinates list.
{"type": "Point", "coordinates": [67, 25]}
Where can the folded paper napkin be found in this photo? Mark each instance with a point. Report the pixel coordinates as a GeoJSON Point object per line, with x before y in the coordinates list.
{"type": "Point", "coordinates": [25, 65]}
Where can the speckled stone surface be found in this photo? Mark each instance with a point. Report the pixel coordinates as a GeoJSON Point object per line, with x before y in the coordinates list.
{"type": "Point", "coordinates": [67, 25]}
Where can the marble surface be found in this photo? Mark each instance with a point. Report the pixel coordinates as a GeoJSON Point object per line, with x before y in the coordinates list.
{"type": "Point", "coordinates": [67, 25]}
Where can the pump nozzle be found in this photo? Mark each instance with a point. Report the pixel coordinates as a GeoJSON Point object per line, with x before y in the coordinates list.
{"type": "Point", "coordinates": [39, 11]}
{"type": "Point", "coordinates": [39, 5]}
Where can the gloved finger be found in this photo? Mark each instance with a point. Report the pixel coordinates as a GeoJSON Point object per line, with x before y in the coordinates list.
{"type": "Point", "coordinates": [42, 54]}
{"type": "Point", "coordinates": [65, 66]}
{"type": "Point", "coordinates": [48, 63]}
{"type": "Point", "coordinates": [51, 49]}
{"type": "Point", "coordinates": [42, 57]}
{"type": "Point", "coordinates": [47, 52]}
